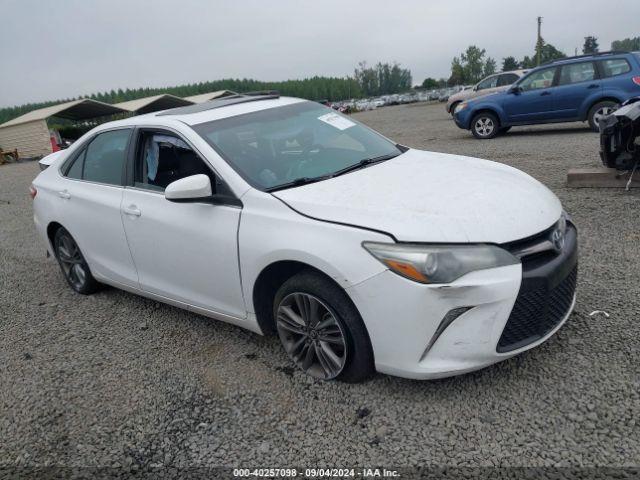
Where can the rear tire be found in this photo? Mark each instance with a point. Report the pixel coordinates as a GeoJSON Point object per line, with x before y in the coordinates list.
{"type": "Point", "coordinates": [340, 350]}
{"type": "Point", "coordinates": [72, 263]}
{"type": "Point", "coordinates": [599, 110]}
{"type": "Point", "coordinates": [485, 125]}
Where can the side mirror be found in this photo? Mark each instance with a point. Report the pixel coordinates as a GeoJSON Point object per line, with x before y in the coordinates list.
{"type": "Point", "coordinates": [514, 89]}
{"type": "Point", "coordinates": [196, 188]}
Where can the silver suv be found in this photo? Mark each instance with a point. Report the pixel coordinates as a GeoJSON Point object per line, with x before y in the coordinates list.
{"type": "Point", "coordinates": [493, 83]}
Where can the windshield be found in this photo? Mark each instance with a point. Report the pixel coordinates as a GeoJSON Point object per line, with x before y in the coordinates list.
{"type": "Point", "coordinates": [294, 144]}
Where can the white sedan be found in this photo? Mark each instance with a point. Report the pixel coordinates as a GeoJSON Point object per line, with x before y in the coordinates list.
{"type": "Point", "coordinates": [281, 215]}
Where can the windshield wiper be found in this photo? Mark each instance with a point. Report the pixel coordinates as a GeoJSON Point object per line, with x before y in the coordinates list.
{"type": "Point", "coordinates": [363, 163]}
{"type": "Point", "coordinates": [298, 182]}
{"type": "Point", "coordinates": [356, 166]}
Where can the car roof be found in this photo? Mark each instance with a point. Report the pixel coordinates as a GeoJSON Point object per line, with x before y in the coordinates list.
{"type": "Point", "coordinates": [585, 57]}
{"type": "Point", "coordinates": [208, 111]}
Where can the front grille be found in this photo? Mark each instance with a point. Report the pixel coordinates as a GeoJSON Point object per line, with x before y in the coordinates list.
{"type": "Point", "coordinates": [537, 312]}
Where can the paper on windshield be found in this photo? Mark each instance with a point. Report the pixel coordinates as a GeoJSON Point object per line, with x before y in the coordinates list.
{"type": "Point", "coordinates": [337, 121]}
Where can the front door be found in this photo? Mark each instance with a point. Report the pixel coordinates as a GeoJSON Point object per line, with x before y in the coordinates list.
{"type": "Point", "coordinates": [532, 101]}
{"type": "Point", "coordinates": [186, 252]}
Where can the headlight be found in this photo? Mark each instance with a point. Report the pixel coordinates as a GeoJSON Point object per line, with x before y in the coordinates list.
{"type": "Point", "coordinates": [438, 263]}
{"type": "Point", "coordinates": [460, 107]}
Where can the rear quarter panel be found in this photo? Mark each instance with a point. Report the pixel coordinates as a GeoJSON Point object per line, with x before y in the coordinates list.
{"type": "Point", "coordinates": [622, 87]}
{"type": "Point", "coordinates": [46, 205]}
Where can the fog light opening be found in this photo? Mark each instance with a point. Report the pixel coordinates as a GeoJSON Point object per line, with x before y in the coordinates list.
{"type": "Point", "coordinates": [444, 323]}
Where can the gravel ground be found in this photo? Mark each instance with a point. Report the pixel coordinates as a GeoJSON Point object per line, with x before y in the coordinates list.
{"type": "Point", "coordinates": [117, 380]}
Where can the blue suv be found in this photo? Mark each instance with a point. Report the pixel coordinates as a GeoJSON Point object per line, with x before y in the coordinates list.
{"type": "Point", "coordinates": [576, 89]}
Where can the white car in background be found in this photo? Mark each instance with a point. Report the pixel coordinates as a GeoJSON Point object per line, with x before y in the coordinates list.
{"type": "Point", "coordinates": [493, 83]}
{"type": "Point", "coordinates": [281, 215]}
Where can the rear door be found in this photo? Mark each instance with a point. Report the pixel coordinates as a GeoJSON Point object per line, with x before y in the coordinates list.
{"type": "Point", "coordinates": [577, 84]}
{"type": "Point", "coordinates": [90, 198]}
{"type": "Point", "coordinates": [533, 101]}
{"type": "Point", "coordinates": [187, 252]}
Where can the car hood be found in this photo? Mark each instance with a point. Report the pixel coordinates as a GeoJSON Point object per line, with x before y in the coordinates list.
{"type": "Point", "coordinates": [486, 96]}
{"type": "Point", "coordinates": [432, 197]}
{"type": "Point", "coordinates": [463, 95]}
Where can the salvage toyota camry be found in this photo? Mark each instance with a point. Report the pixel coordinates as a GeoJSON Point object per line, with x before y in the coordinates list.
{"type": "Point", "coordinates": [282, 216]}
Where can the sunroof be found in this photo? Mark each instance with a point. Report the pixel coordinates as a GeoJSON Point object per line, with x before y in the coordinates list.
{"type": "Point", "coordinates": [218, 103]}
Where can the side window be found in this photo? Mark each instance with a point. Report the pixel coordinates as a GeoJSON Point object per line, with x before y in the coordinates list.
{"type": "Point", "coordinates": [75, 171]}
{"type": "Point", "coordinates": [105, 156]}
{"type": "Point", "coordinates": [507, 79]}
{"type": "Point", "coordinates": [615, 66]}
{"type": "Point", "coordinates": [576, 73]}
{"type": "Point", "coordinates": [490, 82]}
{"type": "Point", "coordinates": [538, 80]}
{"type": "Point", "coordinates": [163, 158]}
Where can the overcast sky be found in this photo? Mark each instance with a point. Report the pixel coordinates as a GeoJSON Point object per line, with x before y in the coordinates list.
{"type": "Point", "coordinates": [66, 48]}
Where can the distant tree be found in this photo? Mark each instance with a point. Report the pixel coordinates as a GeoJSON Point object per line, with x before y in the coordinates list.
{"type": "Point", "coordinates": [382, 79]}
{"type": "Point", "coordinates": [470, 66]}
{"type": "Point", "coordinates": [367, 78]}
{"type": "Point", "coordinates": [490, 67]}
{"type": "Point", "coordinates": [547, 53]}
{"type": "Point", "coordinates": [457, 72]}
{"type": "Point", "coordinates": [509, 63]}
{"type": "Point", "coordinates": [590, 45]}
{"type": "Point", "coordinates": [430, 83]}
{"type": "Point", "coordinates": [473, 64]}
{"type": "Point", "coordinates": [628, 44]}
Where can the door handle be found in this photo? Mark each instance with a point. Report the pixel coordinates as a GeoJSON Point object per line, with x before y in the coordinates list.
{"type": "Point", "coordinates": [64, 194]}
{"type": "Point", "coordinates": [132, 210]}
{"type": "Point", "coordinates": [593, 85]}
{"type": "Point", "coordinates": [544, 94]}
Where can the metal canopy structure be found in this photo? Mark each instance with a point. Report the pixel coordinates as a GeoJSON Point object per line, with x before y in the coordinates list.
{"type": "Point", "coordinates": [82, 109]}
{"type": "Point", "coordinates": [30, 135]}
{"type": "Point", "coordinates": [154, 103]}
{"type": "Point", "coordinates": [205, 97]}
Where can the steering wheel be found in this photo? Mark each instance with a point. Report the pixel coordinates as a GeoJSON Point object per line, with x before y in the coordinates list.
{"type": "Point", "coordinates": [308, 158]}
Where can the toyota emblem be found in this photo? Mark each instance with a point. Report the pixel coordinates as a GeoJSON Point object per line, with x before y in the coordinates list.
{"type": "Point", "coordinates": [557, 239]}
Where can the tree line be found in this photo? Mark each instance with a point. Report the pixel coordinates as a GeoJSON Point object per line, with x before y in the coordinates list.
{"type": "Point", "coordinates": [315, 88]}
{"type": "Point", "coordinates": [366, 81]}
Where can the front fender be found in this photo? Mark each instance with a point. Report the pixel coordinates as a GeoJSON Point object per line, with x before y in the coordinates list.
{"type": "Point", "coordinates": [493, 107]}
{"type": "Point", "coordinates": [270, 231]}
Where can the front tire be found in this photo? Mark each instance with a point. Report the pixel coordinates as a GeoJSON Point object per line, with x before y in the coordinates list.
{"type": "Point", "coordinates": [598, 111]}
{"type": "Point", "coordinates": [485, 125]}
{"type": "Point", "coordinates": [72, 263]}
{"type": "Point", "coordinates": [321, 330]}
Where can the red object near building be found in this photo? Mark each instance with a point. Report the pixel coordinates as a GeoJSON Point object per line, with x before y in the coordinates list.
{"type": "Point", "coordinates": [54, 144]}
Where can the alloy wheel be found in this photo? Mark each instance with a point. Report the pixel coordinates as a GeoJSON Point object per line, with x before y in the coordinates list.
{"type": "Point", "coordinates": [485, 126]}
{"type": "Point", "coordinates": [311, 335]}
{"type": "Point", "coordinates": [71, 261]}
{"type": "Point", "coordinates": [602, 112]}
